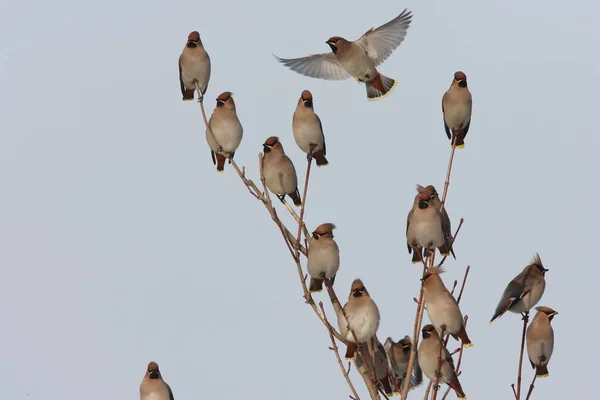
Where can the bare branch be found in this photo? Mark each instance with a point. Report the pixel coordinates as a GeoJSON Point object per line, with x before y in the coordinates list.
{"type": "Point", "coordinates": [337, 356]}
{"type": "Point", "coordinates": [525, 321]}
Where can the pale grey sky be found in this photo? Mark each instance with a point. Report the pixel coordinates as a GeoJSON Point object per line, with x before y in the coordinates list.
{"type": "Point", "coordinates": [120, 244]}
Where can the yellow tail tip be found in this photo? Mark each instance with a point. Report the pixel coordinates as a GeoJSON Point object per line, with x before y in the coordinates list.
{"type": "Point", "coordinates": [315, 291]}
{"type": "Point", "coordinates": [188, 99]}
{"type": "Point", "coordinates": [323, 165]}
{"type": "Point", "coordinates": [416, 262]}
{"type": "Point", "coordinates": [491, 322]}
{"type": "Point", "coordinates": [221, 170]}
{"type": "Point", "coordinates": [383, 96]}
{"type": "Point", "coordinates": [542, 376]}
{"type": "Point", "coordinates": [462, 146]}
{"type": "Point", "coordinates": [469, 345]}
{"type": "Point", "coordinates": [349, 358]}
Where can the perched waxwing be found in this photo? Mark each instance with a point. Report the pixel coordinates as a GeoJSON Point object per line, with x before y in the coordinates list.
{"type": "Point", "coordinates": [426, 226]}
{"type": "Point", "coordinates": [357, 59]}
{"type": "Point", "coordinates": [363, 317]}
{"type": "Point", "coordinates": [540, 340]}
{"type": "Point", "coordinates": [378, 363]}
{"type": "Point", "coordinates": [226, 129]}
{"type": "Point", "coordinates": [323, 257]}
{"type": "Point", "coordinates": [456, 107]}
{"type": "Point", "coordinates": [194, 68]}
{"type": "Point", "coordinates": [153, 387]}
{"type": "Point", "coordinates": [429, 352]}
{"type": "Point", "coordinates": [398, 354]}
{"type": "Point", "coordinates": [308, 130]}
{"type": "Point", "coordinates": [442, 307]}
{"type": "Point", "coordinates": [279, 171]}
{"type": "Point", "coordinates": [525, 291]}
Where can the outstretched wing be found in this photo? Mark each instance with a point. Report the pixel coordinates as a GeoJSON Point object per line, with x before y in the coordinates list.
{"type": "Point", "coordinates": [379, 43]}
{"type": "Point", "coordinates": [323, 66]}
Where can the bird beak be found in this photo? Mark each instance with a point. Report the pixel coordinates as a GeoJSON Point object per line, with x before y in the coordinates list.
{"type": "Point", "coordinates": [154, 374]}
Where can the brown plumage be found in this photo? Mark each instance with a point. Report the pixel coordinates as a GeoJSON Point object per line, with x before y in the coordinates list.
{"type": "Point", "coordinates": [308, 130]}
{"type": "Point", "coordinates": [426, 226]}
{"type": "Point", "coordinates": [442, 308]}
{"type": "Point", "coordinates": [456, 109]}
{"type": "Point", "coordinates": [279, 172]}
{"type": "Point", "coordinates": [153, 387]}
{"type": "Point", "coordinates": [194, 68]}
{"type": "Point", "coordinates": [429, 351]}
{"type": "Point", "coordinates": [540, 340]}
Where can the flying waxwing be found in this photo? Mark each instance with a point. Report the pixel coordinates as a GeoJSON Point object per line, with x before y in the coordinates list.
{"type": "Point", "coordinates": [153, 387]}
{"type": "Point", "coordinates": [279, 171]}
{"type": "Point", "coordinates": [442, 307]}
{"type": "Point", "coordinates": [456, 108]}
{"type": "Point", "coordinates": [357, 59]}
{"type": "Point", "coordinates": [426, 227]}
{"type": "Point", "coordinates": [525, 291]}
{"type": "Point", "coordinates": [226, 129]}
{"type": "Point", "coordinates": [398, 354]}
{"type": "Point", "coordinates": [194, 68]}
{"type": "Point", "coordinates": [323, 257]}
{"type": "Point", "coordinates": [540, 340]}
{"type": "Point", "coordinates": [363, 317]}
{"type": "Point", "coordinates": [308, 130]}
{"type": "Point", "coordinates": [429, 351]}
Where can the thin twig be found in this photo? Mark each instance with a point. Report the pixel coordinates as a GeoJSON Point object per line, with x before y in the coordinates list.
{"type": "Point", "coordinates": [337, 355]}
{"type": "Point", "coordinates": [525, 321]}
{"type": "Point", "coordinates": [301, 220]}
{"type": "Point", "coordinates": [453, 239]}
{"type": "Point", "coordinates": [531, 386]}
{"type": "Point", "coordinates": [448, 172]}
{"type": "Point", "coordinates": [436, 383]}
{"type": "Point", "coordinates": [460, 355]}
{"type": "Point", "coordinates": [429, 385]}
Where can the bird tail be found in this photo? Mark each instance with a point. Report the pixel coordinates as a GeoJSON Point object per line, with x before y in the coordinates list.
{"type": "Point", "coordinates": [541, 371]}
{"type": "Point", "coordinates": [455, 384]}
{"type": "Point", "coordinates": [462, 334]}
{"type": "Point", "coordinates": [459, 137]}
{"type": "Point", "coordinates": [380, 87]}
{"type": "Point", "coordinates": [295, 196]}
{"type": "Point", "coordinates": [350, 350]}
{"type": "Point", "coordinates": [188, 94]}
{"type": "Point", "coordinates": [316, 285]}
{"type": "Point", "coordinates": [320, 158]}
{"type": "Point", "coordinates": [220, 162]}
{"type": "Point", "coordinates": [416, 257]}
{"type": "Point", "coordinates": [386, 385]}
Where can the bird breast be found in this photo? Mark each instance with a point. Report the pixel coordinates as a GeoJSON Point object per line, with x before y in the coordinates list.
{"type": "Point", "coordinates": [364, 321]}
{"type": "Point", "coordinates": [358, 64]}
{"type": "Point", "coordinates": [441, 312]}
{"type": "Point", "coordinates": [195, 67]}
{"type": "Point", "coordinates": [280, 175]}
{"type": "Point", "coordinates": [458, 114]}
{"type": "Point", "coordinates": [307, 131]}
{"type": "Point", "coordinates": [227, 130]}
{"type": "Point", "coordinates": [426, 228]}
{"type": "Point", "coordinates": [323, 258]}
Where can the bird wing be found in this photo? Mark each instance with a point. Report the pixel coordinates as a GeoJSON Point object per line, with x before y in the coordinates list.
{"type": "Point", "coordinates": [512, 295]}
{"type": "Point", "coordinates": [380, 42]}
{"type": "Point", "coordinates": [323, 66]}
{"type": "Point", "coordinates": [322, 134]}
{"type": "Point", "coordinates": [170, 392]}
{"type": "Point", "coordinates": [407, 225]}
